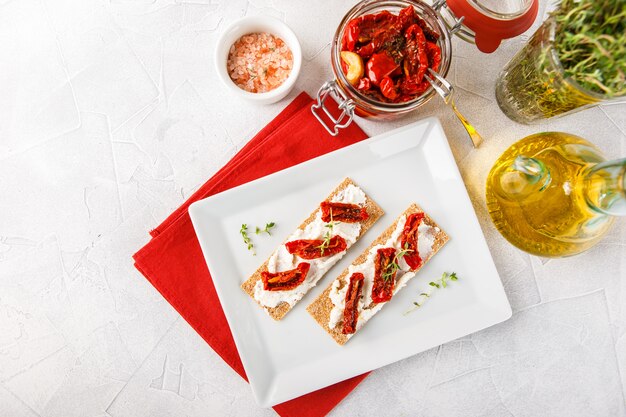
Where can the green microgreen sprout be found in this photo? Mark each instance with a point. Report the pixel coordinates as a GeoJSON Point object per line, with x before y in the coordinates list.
{"type": "Point", "coordinates": [590, 38]}
{"type": "Point", "coordinates": [268, 227]}
{"type": "Point", "coordinates": [442, 282]}
{"type": "Point", "coordinates": [246, 239]}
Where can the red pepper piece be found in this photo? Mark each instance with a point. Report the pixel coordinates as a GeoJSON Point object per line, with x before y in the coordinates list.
{"type": "Point", "coordinates": [434, 55]}
{"type": "Point", "coordinates": [408, 240]}
{"type": "Point", "coordinates": [350, 35]}
{"type": "Point", "coordinates": [380, 65]}
{"type": "Point", "coordinates": [416, 60]}
{"type": "Point", "coordinates": [286, 280]}
{"type": "Point", "coordinates": [364, 84]}
{"type": "Point", "coordinates": [343, 212]}
{"type": "Point", "coordinates": [351, 310]}
{"type": "Point", "coordinates": [411, 89]}
{"type": "Point", "coordinates": [310, 249]}
{"type": "Point", "coordinates": [382, 290]}
{"type": "Point", "coordinates": [388, 88]}
{"type": "Point", "coordinates": [389, 39]}
{"type": "Point", "coordinates": [372, 26]}
{"type": "Point", "coordinates": [365, 34]}
{"type": "Point", "coordinates": [367, 50]}
{"type": "Point", "coordinates": [430, 34]}
{"type": "Point", "coordinates": [407, 17]}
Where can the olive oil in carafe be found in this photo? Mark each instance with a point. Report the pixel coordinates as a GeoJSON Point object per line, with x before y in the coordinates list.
{"type": "Point", "coordinates": [545, 194]}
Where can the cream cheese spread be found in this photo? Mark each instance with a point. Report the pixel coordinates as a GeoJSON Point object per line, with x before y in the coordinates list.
{"type": "Point", "coordinates": [282, 260]}
{"type": "Point", "coordinates": [425, 241]}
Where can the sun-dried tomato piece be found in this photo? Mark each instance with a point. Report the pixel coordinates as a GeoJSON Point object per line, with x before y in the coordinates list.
{"type": "Point", "coordinates": [384, 275]}
{"type": "Point", "coordinates": [434, 55]}
{"type": "Point", "coordinates": [343, 212]}
{"type": "Point", "coordinates": [430, 34]}
{"type": "Point", "coordinates": [350, 35]}
{"type": "Point", "coordinates": [313, 249]}
{"type": "Point", "coordinates": [388, 88]}
{"type": "Point", "coordinates": [411, 88]}
{"type": "Point", "coordinates": [351, 310]}
{"type": "Point", "coordinates": [416, 61]}
{"type": "Point", "coordinates": [408, 240]}
{"type": "Point", "coordinates": [286, 280]}
{"type": "Point", "coordinates": [407, 17]}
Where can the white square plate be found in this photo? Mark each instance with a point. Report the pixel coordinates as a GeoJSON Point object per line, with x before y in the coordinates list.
{"type": "Point", "coordinates": [286, 359]}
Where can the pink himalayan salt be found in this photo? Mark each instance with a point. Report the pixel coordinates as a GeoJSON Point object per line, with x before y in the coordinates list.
{"type": "Point", "coordinates": [259, 62]}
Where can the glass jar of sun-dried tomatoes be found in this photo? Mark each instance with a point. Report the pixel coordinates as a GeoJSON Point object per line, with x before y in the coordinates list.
{"type": "Point", "coordinates": [386, 54]}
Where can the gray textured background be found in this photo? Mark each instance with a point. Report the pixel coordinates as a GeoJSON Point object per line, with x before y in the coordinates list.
{"type": "Point", "coordinates": [111, 115]}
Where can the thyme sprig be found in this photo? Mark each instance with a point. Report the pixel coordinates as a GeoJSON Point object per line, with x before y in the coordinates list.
{"type": "Point", "coordinates": [393, 267]}
{"type": "Point", "coordinates": [328, 235]}
{"type": "Point", "coordinates": [268, 226]}
{"type": "Point", "coordinates": [246, 239]}
{"type": "Point", "coordinates": [442, 282]}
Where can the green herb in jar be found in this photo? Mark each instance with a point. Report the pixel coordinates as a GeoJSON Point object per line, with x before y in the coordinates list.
{"type": "Point", "coordinates": [590, 39]}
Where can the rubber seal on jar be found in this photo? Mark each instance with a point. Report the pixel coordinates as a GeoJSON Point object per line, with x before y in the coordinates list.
{"type": "Point", "coordinates": [491, 28]}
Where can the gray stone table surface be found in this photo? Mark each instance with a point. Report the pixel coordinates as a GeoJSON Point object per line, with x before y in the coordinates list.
{"type": "Point", "coordinates": [111, 115]}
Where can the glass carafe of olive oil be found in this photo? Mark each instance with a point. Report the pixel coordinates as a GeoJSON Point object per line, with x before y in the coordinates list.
{"type": "Point", "coordinates": [553, 194]}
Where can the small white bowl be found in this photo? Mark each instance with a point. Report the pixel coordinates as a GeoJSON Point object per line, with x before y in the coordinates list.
{"type": "Point", "coordinates": [256, 24]}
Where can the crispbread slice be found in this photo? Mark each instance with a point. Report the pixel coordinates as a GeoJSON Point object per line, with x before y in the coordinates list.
{"type": "Point", "coordinates": [282, 309]}
{"type": "Point", "coordinates": [320, 308]}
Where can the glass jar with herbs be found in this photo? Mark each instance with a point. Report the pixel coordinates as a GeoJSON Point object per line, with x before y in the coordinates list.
{"type": "Point", "coordinates": [575, 60]}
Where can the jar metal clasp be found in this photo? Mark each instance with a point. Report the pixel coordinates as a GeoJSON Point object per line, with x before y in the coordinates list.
{"type": "Point", "coordinates": [455, 24]}
{"type": "Point", "coordinates": [346, 106]}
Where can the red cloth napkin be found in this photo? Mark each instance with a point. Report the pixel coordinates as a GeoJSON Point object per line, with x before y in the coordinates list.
{"type": "Point", "coordinates": [173, 262]}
